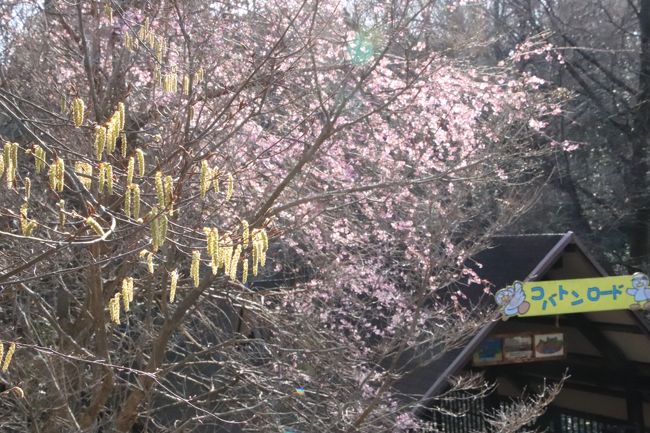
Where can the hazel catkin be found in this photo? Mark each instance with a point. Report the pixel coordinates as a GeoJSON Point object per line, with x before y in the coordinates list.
{"type": "Point", "coordinates": [194, 267]}
{"type": "Point", "coordinates": [173, 277]}
{"type": "Point", "coordinates": [78, 108]}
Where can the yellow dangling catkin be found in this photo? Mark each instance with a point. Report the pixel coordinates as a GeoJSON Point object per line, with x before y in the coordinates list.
{"type": "Point", "coordinates": [7, 163]}
{"type": "Point", "coordinates": [145, 28]}
{"type": "Point", "coordinates": [214, 265]}
{"type": "Point", "coordinates": [150, 263]}
{"type": "Point", "coordinates": [139, 154]}
{"type": "Point", "coordinates": [127, 201]}
{"type": "Point", "coordinates": [60, 173]}
{"type": "Point", "coordinates": [172, 79]}
{"type": "Point", "coordinates": [172, 285]}
{"type": "Point", "coordinates": [10, 155]}
{"type": "Point", "coordinates": [209, 241]}
{"type": "Point", "coordinates": [78, 108]}
{"type": "Point", "coordinates": [155, 231]}
{"type": "Point", "coordinates": [128, 42]}
{"type": "Point", "coordinates": [31, 226]}
{"type": "Point", "coordinates": [264, 240]}
{"type": "Point", "coordinates": [56, 174]}
{"type": "Point", "coordinates": [205, 178]}
{"type": "Point", "coordinates": [93, 224]}
{"type": "Point", "coordinates": [84, 172]}
{"type": "Point", "coordinates": [108, 11]}
{"type": "Point", "coordinates": [263, 258]}
{"type": "Point", "coordinates": [28, 188]}
{"type": "Point", "coordinates": [225, 256]}
{"type": "Point", "coordinates": [123, 148]}
{"type": "Point", "coordinates": [130, 289]}
{"type": "Point", "coordinates": [169, 190]}
{"type": "Point", "coordinates": [136, 201]}
{"type": "Point", "coordinates": [39, 158]}
{"type": "Point", "coordinates": [129, 171]}
{"type": "Point", "coordinates": [100, 141]}
{"type": "Point", "coordinates": [213, 248]}
{"type": "Point", "coordinates": [114, 308]}
{"type": "Point", "coordinates": [256, 256]}
{"type": "Point", "coordinates": [186, 85]}
{"type": "Point", "coordinates": [194, 268]}
{"type": "Point", "coordinates": [14, 155]}
{"type": "Point", "coordinates": [27, 226]}
{"type": "Point", "coordinates": [198, 75]}
{"type": "Point", "coordinates": [170, 82]}
{"type": "Point", "coordinates": [101, 177]}
{"type": "Point", "coordinates": [8, 356]}
{"type": "Point", "coordinates": [114, 127]}
{"type": "Point", "coordinates": [51, 173]}
{"type": "Point", "coordinates": [108, 169]}
{"type": "Point", "coordinates": [234, 262]}
{"type": "Point", "coordinates": [6, 152]}
{"type": "Point", "coordinates": [127, 293]}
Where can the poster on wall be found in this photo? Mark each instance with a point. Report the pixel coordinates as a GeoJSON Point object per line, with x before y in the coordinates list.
{"type": "Point", "coordinates": [489, 352]}
{"type": "Point", "coordinates": [518, 348]}
{"type": "Point", "coordinates": [521, 347]}
{"type": "Point", "coordinates": [549, 345]}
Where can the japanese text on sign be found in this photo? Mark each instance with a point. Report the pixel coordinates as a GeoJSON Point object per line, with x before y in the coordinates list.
{"type": "Point", "coordinates": [540, 298]}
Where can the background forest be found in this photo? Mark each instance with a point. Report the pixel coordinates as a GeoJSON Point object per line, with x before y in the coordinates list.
{"type": "Point", "coordinates": [598, 184]}
{"type": "Point", "coordinates": [237, 216]}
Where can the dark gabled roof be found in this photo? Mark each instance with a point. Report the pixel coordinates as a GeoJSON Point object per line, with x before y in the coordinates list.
{"type": "Point", "coordinates": [504, 260]}
{"type": "Point", "coordinates": [510, 258]}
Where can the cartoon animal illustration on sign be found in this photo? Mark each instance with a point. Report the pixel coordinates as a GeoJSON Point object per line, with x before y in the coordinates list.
{"type": "Point", "coordinates": [640, 291]}
{"type": "Point", "coordinates": [512, 300]}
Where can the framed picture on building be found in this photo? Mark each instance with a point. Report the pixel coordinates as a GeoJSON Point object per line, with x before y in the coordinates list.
{"type": "Point", "coordinates": [518, 348]}
{"type": "Point", "coordinates": [549, 345]}
{"type": "Point", "coordinates": [489, 352]}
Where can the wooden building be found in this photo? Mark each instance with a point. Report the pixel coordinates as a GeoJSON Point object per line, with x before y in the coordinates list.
{"type": "Point", "coordinates": [605, 354]}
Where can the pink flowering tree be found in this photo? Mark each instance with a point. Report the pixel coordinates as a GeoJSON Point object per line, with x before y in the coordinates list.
{"type": "Point", "coordinates": [218, 215]}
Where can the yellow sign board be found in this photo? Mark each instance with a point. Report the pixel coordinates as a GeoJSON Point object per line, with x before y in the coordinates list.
{"type": "Point", "coordinates": [582, 295]}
